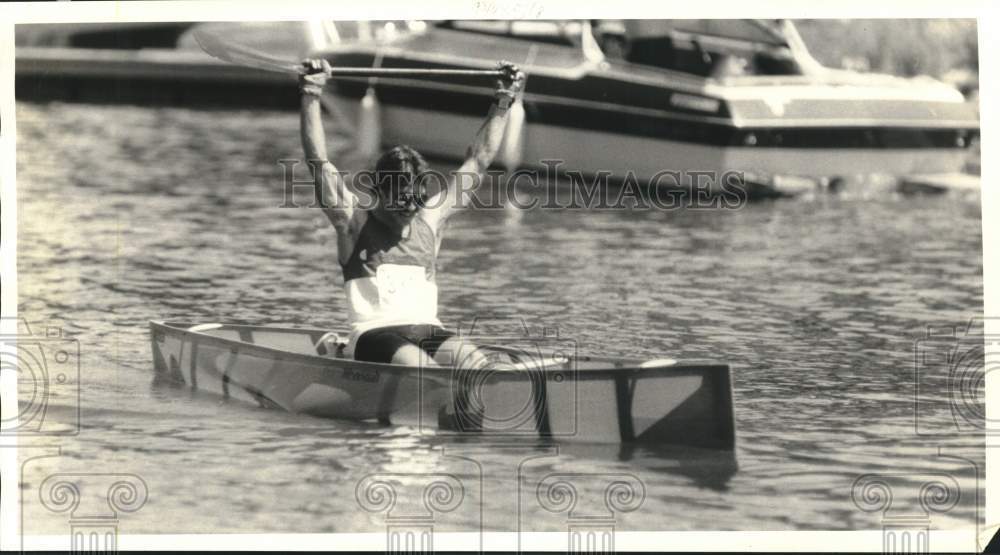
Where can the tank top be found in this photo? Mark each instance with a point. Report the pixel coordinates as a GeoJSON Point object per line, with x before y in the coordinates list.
{"type": "Point", "coordinates": [389, 279]}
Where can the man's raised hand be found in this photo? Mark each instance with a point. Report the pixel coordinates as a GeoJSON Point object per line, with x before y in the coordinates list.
{"type": "Point", "coordinates": [317, 71]}
{"type": "Point", "coordinates": [510, 83]}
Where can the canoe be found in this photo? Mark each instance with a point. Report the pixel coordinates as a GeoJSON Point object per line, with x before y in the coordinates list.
{"type": "Point", "coordinates": [551, 391]}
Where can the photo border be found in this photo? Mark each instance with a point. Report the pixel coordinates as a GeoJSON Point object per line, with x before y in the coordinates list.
{"type": "Point", "coordinates": [61, 12]}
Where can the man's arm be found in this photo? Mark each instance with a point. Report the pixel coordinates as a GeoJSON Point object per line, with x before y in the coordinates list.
{"type": "Point", "coordinates": [483, 149]}
{"type": "Point", "coordinates": [331, 191]}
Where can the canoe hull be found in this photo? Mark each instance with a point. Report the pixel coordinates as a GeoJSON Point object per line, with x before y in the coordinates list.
{"type": "Point", "coordinates": [581, 399]}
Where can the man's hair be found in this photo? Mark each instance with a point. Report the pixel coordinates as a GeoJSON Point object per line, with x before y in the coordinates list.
{"type": "Point", "coordinates": [398, 167]}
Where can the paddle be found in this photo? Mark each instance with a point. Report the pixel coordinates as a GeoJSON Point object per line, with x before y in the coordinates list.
{"type": "Point", "coordinates": [250, 57]}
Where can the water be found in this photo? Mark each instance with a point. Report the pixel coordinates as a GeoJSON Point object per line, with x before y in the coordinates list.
{"type": "Point", "coordinates": [130, 214]}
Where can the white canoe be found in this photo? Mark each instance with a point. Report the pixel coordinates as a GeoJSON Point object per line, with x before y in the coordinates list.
{"type": "Point", "coordinates": [561, 396]}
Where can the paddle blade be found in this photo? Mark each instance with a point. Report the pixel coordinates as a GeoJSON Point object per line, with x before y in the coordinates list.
{"type": "Point", "coordinates": [216, 46]}
{"type": "Point", "coordinates": [369, 129]}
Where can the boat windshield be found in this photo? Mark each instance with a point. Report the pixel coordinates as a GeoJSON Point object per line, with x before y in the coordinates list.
{"type": "Point", "coordinates": [564, 32]}
{"type": "Point", "coordinates": [752, 31]}
{"type": "Point", "coordinates": [711, 48]}
{"type": "Point", "coordinates": [718, 48]}
{"type": "Point", "coordinates": [378, 29]}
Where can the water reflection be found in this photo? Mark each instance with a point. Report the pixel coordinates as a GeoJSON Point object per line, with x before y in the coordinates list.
{"type": "Point", "coordinates": [705, 468]}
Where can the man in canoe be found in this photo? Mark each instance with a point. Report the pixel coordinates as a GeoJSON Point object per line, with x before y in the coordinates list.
{"type": "Point", "coordinates": [388, 253]}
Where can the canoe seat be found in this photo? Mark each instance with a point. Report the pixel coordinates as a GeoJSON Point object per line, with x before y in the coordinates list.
{"type": "Point", "coordinates": [540, 364]}
{"type": "Point", "coordinates": [658, 363]}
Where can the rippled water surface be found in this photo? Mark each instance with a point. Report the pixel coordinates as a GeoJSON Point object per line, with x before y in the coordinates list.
{"type": "Point", "coordinates": [130, 214]}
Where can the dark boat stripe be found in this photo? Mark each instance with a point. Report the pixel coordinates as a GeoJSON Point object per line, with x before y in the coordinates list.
{"type": "Point", "coordinates": [193, 366]}
{"type": "Point", "coordinates": [230, 364]}
{"type": "Point", "coordinates": [541, 404]}
{"type": "Point", "coordinates": [225, 385]}
{"type": "Point", "coordinates": [263, 400]}
{"type": "Point", "coordinates": [623, 399]}
{"type": "Point", "coordinates": [259, 396]}
{"type": "Point", "coordinates": [246, 336]}
{"type": "Point", "coordinates": [724, 402]}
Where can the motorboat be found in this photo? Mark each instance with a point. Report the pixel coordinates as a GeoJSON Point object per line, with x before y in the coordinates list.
{"type": "Point", "coordinates": [658, 99]}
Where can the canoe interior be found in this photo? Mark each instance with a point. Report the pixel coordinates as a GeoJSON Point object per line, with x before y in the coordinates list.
{"type": "Point", "coordinates": [553, 393]}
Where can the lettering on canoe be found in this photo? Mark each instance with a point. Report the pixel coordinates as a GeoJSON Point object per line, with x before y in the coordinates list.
{"type": "Point", "coordinates": [361, 375]}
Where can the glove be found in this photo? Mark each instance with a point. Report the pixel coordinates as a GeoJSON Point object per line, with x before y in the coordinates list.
{"type": "Point", "coordinates": [315, 76]}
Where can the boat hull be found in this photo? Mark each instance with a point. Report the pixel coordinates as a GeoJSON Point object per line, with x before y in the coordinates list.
{"type": "Point", "coordinates": [665, 162]}
{"type": "Point", "coordinates": [578, 399]}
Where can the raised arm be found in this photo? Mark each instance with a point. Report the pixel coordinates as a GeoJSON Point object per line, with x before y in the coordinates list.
{"type": "Point", "coordinates": [331, 191]}
{"type": "Point", "coordinates": [483, 149]}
